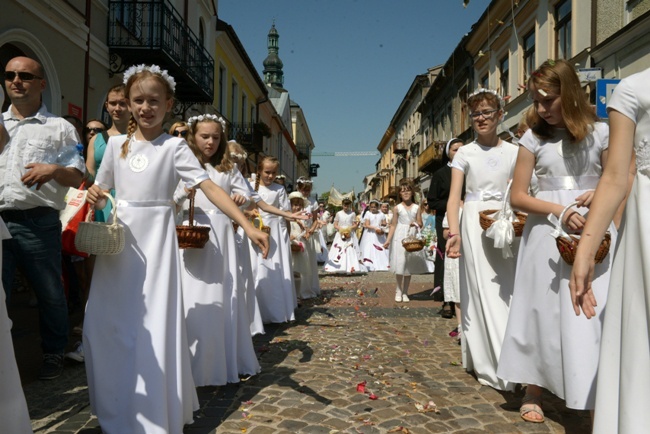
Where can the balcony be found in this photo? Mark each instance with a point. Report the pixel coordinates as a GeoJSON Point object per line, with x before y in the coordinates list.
{"type": "Point", "coordinates": [154, 33]}
{"type": "Point", "coordinates": [249, 135]}
{"type": "Point", "coordinates": [303, 152]}
{"type": "Point", "coordinates": [400, 146]}
{"type": "Point", "coordinates": [430, 159]}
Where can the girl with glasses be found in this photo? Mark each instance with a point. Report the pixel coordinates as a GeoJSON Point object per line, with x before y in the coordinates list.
{"type": "Point", "coordinates": [486, 278]}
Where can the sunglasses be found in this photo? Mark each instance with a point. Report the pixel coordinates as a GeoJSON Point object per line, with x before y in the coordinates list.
{"type": "Point", "coordinates": [24, 76]}
{"type": "Point", "coordinates": [94, 130]}
{"type": "Point", "coordinates": [179, 133]}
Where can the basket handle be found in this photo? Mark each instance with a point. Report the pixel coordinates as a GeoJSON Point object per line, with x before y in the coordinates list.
{"type": "Point", "coordinates": [190, 196]}
{"type": "Point", "coordinates": [113, 211]}
{"type": "Point", "coordinates": [506, 199]}
{"type": "Point", "coordinates": [559, 231]}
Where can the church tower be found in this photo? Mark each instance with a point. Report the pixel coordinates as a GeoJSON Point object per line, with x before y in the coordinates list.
{"type": "Point", "coordinates": [273, 74]}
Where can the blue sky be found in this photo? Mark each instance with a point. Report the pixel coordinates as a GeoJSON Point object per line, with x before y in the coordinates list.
{"type": "Point", "coordinates": [349, 63]}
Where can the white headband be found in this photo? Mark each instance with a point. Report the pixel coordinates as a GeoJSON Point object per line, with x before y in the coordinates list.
{"type": "Point", "coordinates": [207, 117]}
{"type": "Point", "coordinates": [238, 156]}
{"type": "Point", "coordinates": [303, 180]}
{"type": "Point", "coordinates": [451, 142]}
{"type": "Point", "coordinates": [154, 69]}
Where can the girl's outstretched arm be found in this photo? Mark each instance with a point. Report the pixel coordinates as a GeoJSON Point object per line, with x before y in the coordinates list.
{"type": "Point", "coordinates": [221, 200]}
{"type": "Point", "coordinates": [277, 211]}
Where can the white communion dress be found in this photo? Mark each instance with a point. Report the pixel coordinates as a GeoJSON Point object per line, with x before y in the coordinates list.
{"type": "Point", "coordinates": [373, 254]}
{"type": "Point", "coordinates": [343, 257]}
{"type": "Point", "coordinates": [135, 343]}
{"type": "Point", "coordinates": [486, 278]}
{"type": "Point", "coordinates": [624, 371]}
{"type": "Point", "coordinates": [401, 261]}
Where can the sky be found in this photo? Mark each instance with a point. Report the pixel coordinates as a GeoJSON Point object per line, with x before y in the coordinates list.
{"type": "Point", "coordinates": [349, 64]}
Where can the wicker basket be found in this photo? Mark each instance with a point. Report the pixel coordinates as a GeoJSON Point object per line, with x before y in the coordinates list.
{"type": "Point", "coordinates": [486, 217]}
{"type": "Point", "coordinates": [259, 224]}
{"type": "Point", "coordinates": [191, 236]}
{"type": "Point", "coordinates": [567, 244]}
{"type": "Point", "coordinates": [412, 243]}
{"type": "Point", "coordinates": [100, 238]}
{"type": "Point", "coordinates": [295, 247]}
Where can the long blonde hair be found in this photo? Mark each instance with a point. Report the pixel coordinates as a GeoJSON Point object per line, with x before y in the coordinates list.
{"type": "Point", "coordinates": [133, 79]}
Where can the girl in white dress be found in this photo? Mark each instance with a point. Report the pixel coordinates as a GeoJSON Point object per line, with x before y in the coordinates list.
{"type": "Point", "coordinates": [624, 371]}
{"type": "Point", "coordinates": [343, 256]}
{"type": "Point", "coordinates": [218, 325]}
{"type": "Point", "coordinates": [546, 345]}
{"type": "Point", "coordinates": [403, 263]}
{"type": "Point", "coordinates": [312, 245]}
{"type": "Point", "coordinates": [486, 278]}
{"type": "Point", "coordinates": [135, 343]}
{"type": "Point", "coordinates": [299, 257]}
{"type": "Point", "coordinates": [274, 280]}
{"type": "Point", "coordinates": [374, 255]}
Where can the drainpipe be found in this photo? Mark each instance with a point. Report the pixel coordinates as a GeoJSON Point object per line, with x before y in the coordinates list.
{"type": "Point", "coordinates": [87, 64]}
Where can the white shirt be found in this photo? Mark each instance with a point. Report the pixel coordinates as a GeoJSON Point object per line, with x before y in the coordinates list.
{"type": "Point", "coordinates": [30, 141]}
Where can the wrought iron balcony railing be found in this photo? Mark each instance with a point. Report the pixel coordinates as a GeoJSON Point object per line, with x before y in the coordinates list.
{"type": "Point", "coordinates": [249, 135]}
{"type": "Point", "coordinates": [303, 151]}
{"type": "Point", "coordinates": [153, 32]}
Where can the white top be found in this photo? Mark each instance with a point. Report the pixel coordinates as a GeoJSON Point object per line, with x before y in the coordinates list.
{"type": "Point", "coordinates": [32, 140]}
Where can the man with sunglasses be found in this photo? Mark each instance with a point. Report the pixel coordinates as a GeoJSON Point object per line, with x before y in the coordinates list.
{"type": "Point", "coordinates": [31, 195]}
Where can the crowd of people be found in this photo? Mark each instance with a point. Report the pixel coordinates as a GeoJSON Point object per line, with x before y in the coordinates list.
{"type": "Point", "coordinates": [525, 314]}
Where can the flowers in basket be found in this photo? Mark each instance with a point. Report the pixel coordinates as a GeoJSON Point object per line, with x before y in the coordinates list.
{"type": "Point", "coordinates": [345, 233]}
{"type": "Point", "coordinates": [430, 242]}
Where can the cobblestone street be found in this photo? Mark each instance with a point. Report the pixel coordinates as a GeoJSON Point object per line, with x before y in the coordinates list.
{"type": "Point", "coordinates": [353, 362]}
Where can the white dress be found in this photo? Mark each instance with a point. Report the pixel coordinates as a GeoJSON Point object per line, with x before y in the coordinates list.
{"type": "Point", "coordinates": [452, 271]}
{"type": "Point", "coordinates": [486, 279]}
{"type": "Point", "coordinates": [274, 280]}
{"type": "Point", "coordinates": [13, 407]}
{"type": "Point", "coordinates": [322, 238]}
{"type": "Point", "coordinates": [373, 254]}
{"type": "Point", "coordinates": [545, 343]}
{"type": "Point", "coordinates": [343, 257]}
{"type": "Point", "coordinates": [312, 247]}
{"type": "Point", "coordinates": [624, 371]}
{"type": "Point", "coordinates": [134, 337]}
{"type": "Point", "coordinates": [300, 260]}
{"type": "Point", "coordinates": [401, 261]}
{"type": "Point", "coordinates": [218, 325]}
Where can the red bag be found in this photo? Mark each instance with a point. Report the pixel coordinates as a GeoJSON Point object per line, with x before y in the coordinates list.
{"type": "Point", "coordinates": [76, 210]}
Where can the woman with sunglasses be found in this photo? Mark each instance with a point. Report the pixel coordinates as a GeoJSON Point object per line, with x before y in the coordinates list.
{"type": "Point", "coordinates": [179, 129]}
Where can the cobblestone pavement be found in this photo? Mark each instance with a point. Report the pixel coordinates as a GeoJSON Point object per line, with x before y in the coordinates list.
{"type": "Point", "coordinates": [354, 361]}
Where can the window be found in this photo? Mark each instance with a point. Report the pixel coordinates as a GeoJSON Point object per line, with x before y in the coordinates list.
{"type": "Point", "coordinates": [504, 72]}
{"type": "Point", "coordinates": [563, 29]}
{"type": "Point", "coordinates": [201, 33]}
{"type": "Point", "coordinates": [244, 103]}
{"type": "Point", "coordinates": [529, 55]}
{"type": "Point", "coordinates": [234, 98]}
{"type": "Point", "coordinates": [222, 88]}
{"type": "Point", "coordinates": [485, 81]}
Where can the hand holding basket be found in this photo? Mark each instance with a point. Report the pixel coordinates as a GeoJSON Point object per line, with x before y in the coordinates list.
{"type": "Point", "coordinates": [567, 244]}
{"type": "Point", "coordinates": [413, 242]}
{"type": "Point", "coordinates": [100, 238]}
{"type": "Point", "coordinates": [191, 236]}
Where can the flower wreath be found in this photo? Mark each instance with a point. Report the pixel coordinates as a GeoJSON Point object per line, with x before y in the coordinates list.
{"type": "Point", "coordinates": [154, 69]}
{"type": "Point", "coordinates": [207, 117]}
{"type": "Point", "coordinates": [238, 156]}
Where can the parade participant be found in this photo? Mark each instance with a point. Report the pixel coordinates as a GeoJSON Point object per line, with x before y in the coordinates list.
{"type": "Point", "coordinates": [437, 199]}
{"type": "Point", "coordinates": [312, 246]}
{"type": "Point", "coordinates": [142, 381]}
{"type": "Point", "coordinates": [624, 370]}
{"type": "Point", "coordinates": [323, 217]}
{"type": "Point", "coordinates": [343, 257]}
{"type": "Point", "coordinates": [299, 257]}
{"type": "Point", "coordinates": [180, 129]}
{"type": "Point", "coordinates": [546, 345]}
{"type": "Point", "coordinates": [486, 278]}
{"type": "Point", "coordinates": [373, 254]}
{"type": "Point", "coordinates": [403, 263]}
{"type": "Point", "coordinates": [274, 280]}
{"type": "Point", "coordinates": [31, 196]}
{"type": "Point", "coordinates": [452, 281]}
{"type": "Point", "coordinates": [218, 326]}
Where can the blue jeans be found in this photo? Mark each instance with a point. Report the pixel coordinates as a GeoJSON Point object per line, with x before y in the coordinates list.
{"type": "Point", "coordinates": [35, 247]}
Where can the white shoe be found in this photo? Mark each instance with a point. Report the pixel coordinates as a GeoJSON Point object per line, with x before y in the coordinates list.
{"type": "Point", "coordinates": [398, 295]}
{"type": "Point", "coordinates": [405, 298]}
{"type": "Point", "coordinates": [78, 353]}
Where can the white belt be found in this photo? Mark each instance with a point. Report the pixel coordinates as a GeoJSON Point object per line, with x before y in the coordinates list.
{"type": "Point", "coordinates": [143, 203]}
{"type": "Point", "coordinates": [484, 196]}
{"type": "Point", "coordinates": [568, 183]}
{"type": "Point", "coordinates": [203, 211]}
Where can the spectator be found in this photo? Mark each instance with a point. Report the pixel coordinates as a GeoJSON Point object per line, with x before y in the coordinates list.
{"type": "Point", "coordinates": [31, 195]}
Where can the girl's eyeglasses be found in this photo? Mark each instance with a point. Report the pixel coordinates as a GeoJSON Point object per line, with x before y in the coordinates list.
{"type": "Point", "coordinates": [179, 133]}
{"type": "Point", "coordinates": [487, 114]}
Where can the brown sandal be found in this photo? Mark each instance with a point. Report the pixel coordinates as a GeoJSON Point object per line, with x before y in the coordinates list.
{"type": "Point", "coordinates": [531, 404]}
